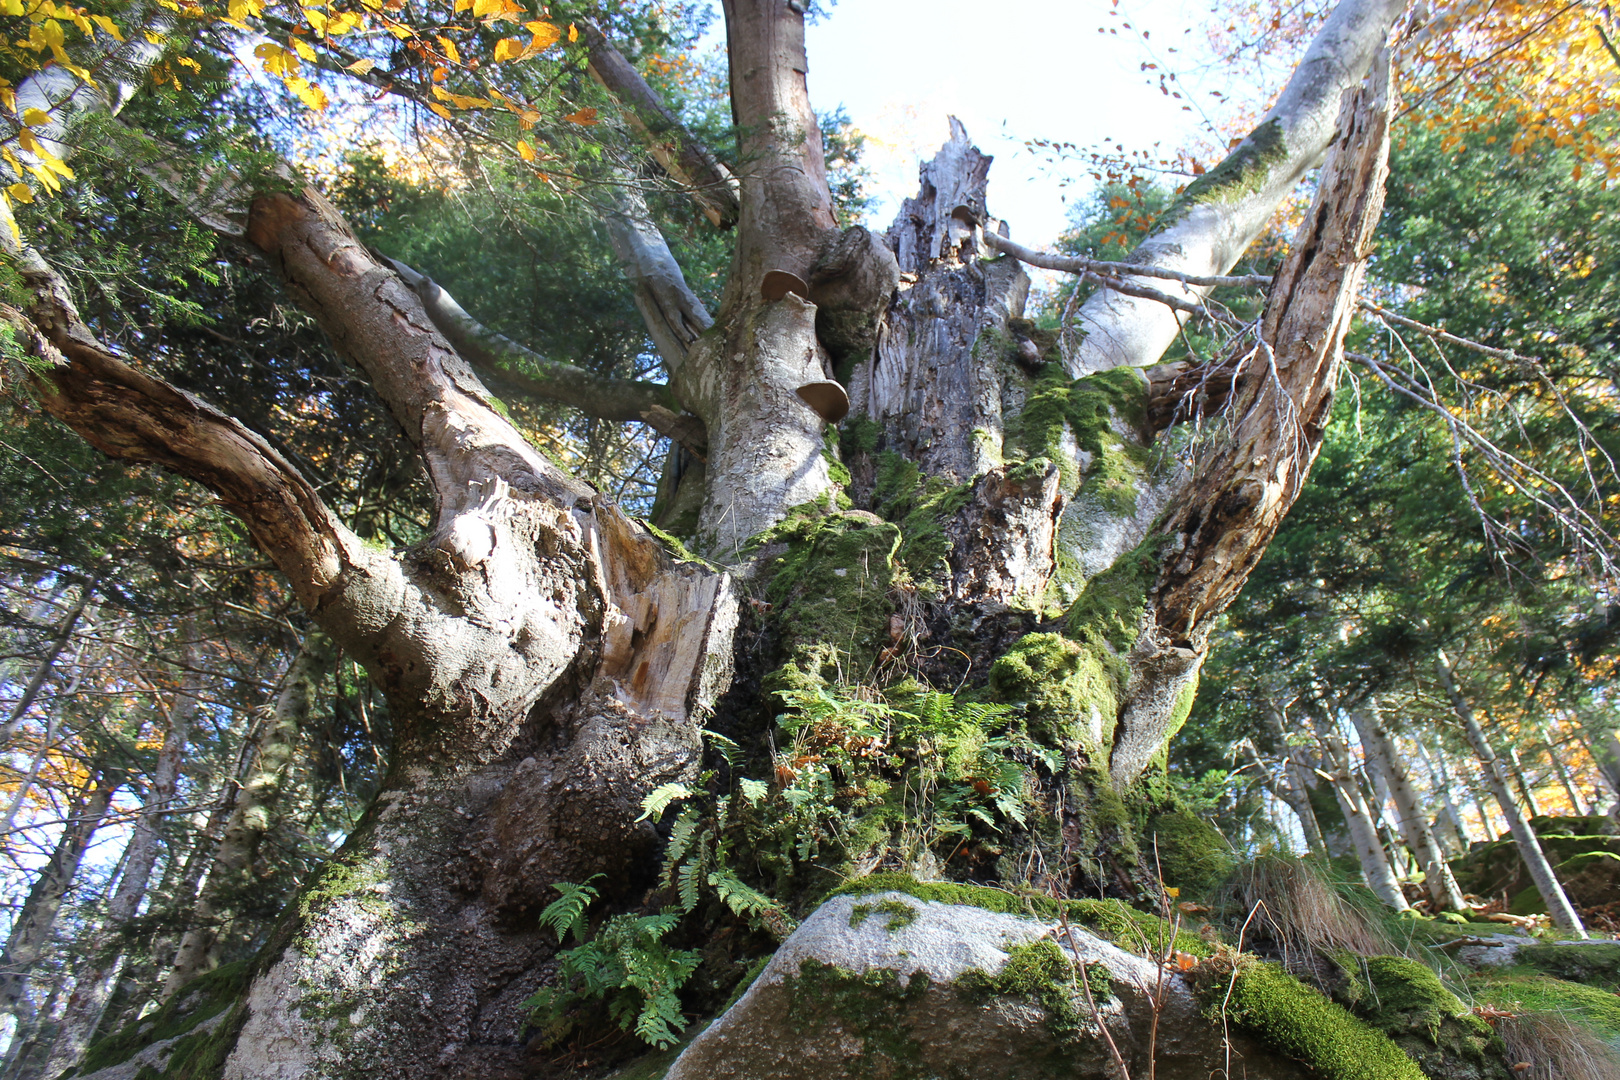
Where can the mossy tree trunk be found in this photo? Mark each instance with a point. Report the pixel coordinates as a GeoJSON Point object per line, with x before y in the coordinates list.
{"type": "Point", "coordinates": [990, 517]}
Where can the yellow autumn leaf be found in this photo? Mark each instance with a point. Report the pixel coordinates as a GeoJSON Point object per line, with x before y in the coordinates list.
{"type": "Point", "coordinates": [508, 49]}
{"type": "Point", "coordinates": [189, 64]}
{"type": "Point", "coordinates": [342, 23]}
{"type": "Point", "coordinates": [35, 117]}
{"type": "Point", "coordinates": [316, 19]}
{"type": "Point", "coordinates": [108, 26]}
{"type": "Point", "coordinates": [545, 35]}
{"type": "Point", "coordinates": [585, 116]}
{"type": "Point", "coordinates": [401, 31]}
{"type": "Point", "coordinates": [525, 151]}
{"type": "Point", "coordinates": [486, 8]}
{"type": "Point", "coordinates": [362, 66]}
{"type": "Point", "coordinates": [21, 192]}
{"type": "Point", "coordinates": [12, 7]}
{"type": "Point", "coordinates": [440, 109]}
{"type": "Point", "coordinates": [312, 96]}
{"type": "Point", "coordinates": [527, 118]}
{"type": "Point", "coordinates": [303, 49]}
{"type": "Point", "coordinates": [8, 99]}
{"type": "Point", "coordinates": [573, 33]}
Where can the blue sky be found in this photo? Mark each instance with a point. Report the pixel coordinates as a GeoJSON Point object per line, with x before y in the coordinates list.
{"type": "Point", "coordinates": [1011, 71]}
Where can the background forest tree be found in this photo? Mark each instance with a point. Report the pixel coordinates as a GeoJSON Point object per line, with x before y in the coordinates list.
{"type": "Point", "coordinates": [922, 580]}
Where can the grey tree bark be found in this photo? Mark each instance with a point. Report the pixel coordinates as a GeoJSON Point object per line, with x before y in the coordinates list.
{"type": "Point", "coordinates": [1552, 892]}
{"type": "Point", "coordinates": [230, 874]}
{"type": "Point", "coordinates": [36, 918]}
{"type": "Point", "coordinates": [1369, 848]}
{"type": "Point", "coordinates": [1385, 756]}
{"type": "Point", "coordinates": [94, 982]}
{"type": "Point", "coordinates": [547, 663]}
{"type": "Point", "coordinates": [1440, 784]}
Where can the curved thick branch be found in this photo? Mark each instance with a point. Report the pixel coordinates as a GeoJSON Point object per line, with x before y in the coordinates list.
{"type": "Point", "coordinates": [1222, 212]}
{"type": "Point", "coordinates": [374, 319]}
{"type": "Point", "coordinates": [672, 311]}
{"type": "Point", "coordinates": [617, 400]}
{"type": "Point", "coordinates": [134, 417]}
{"type": "Point", "coordinates": [683, 157]}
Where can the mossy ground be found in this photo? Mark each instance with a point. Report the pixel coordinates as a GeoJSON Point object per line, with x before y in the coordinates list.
{"type": "Point", "coordinates": [1597, 1008]}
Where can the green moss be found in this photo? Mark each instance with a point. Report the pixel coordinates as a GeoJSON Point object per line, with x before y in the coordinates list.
{"type": "Point", "coordinates": [945, 892]}
{"type": "Point", "coordinates": [1039, 972]}
{"type": "Point", "coordinates": [1302, 1023]}
{"type": "Point", "coordinates": [1407, 995]}
{"type": "Point", "coordinates": [1086, 410]}
{"type": "Point", "coordinates": [901, 914]}
{"type": "Point", "coordinates": [343, 878]}
{"type": "Point", "coordinates": [870, 1006]}
{"type": "Point", "coordinates": [1110, 608]}
{"type": "Point", "coordinates": [1070, 690]}
{"type": "Point", "coordinates": [1598, 1009]}
{"type": "Point", "coordinates": [674, 546]}
{"type": "Point", "coordinates": [830, 588]}
{"type": "Point", "coordinates": [1192, 853]}
{"type": "Point", "coordinates": [201, 999]}
{"type": "Point", "coordinates": [1243, 172]}
{"type": "Point", "coordinates": [1594, 963]}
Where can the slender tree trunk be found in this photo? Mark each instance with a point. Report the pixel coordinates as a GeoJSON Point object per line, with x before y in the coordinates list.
{"type": "Point", "coordinates": [1535, 860]}
{"type": "Point", "coordinates": [1606, 755]}
{"type": "Point", "coordinates": [1370, 852]}
{"type": "Point", "coordinates": [1549, 733]}
{"type": "Point", "coordinates": [95, 982]}
{"type": "Point", "coordinates": [1525, 790]}
{"type": "Point", "coordinates": [1440, 784]}
{"type": "Point", "coordinates": [1297, 801]}
{"type": "Point", "coordinates": [47, 662]}
{"type": "Point", "coordinates": [1385, 756]}
{"type": "Point", "coordinates": [31, 931]}
{"type": "Point", "coordinates": [231, 875]}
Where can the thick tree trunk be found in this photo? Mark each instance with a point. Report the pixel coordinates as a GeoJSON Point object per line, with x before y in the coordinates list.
{"type": "Point", "coordinates": [1535, 860]}
{"type": "Point", "coordinates": [547, 664]}
{"type": "Point", "coordinates": [36, 919]}
{"type": "Point", "coordinates": [1385, 756]}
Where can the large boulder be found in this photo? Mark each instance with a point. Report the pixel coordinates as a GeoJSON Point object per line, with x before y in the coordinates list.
{"type": "Point", "coordinates": [889, 985]}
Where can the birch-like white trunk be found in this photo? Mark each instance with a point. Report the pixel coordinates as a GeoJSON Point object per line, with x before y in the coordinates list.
{"type": "Point", "coordinates": [1386, 757]}
{"type": "Point", "coordinates": [1552, 892]}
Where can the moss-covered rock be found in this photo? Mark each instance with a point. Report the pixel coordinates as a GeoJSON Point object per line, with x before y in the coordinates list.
{"type": "Point", "coordinates": [1301, 1022]}
{"type": "Point", "coordinates": [1192, 854]}
{"type": "Point", "coordinates": [1407, 1002]}
{"type": "Point", "coordinates": [964, 992]}
{"type": "Point", "coordinates": [1590, 963]}
{"type": "Point", "coordinates": [1597, 1008]}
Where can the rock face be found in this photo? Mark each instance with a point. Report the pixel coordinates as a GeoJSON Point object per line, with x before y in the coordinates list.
{"type": "Point", "coordinates": [888, 985]}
